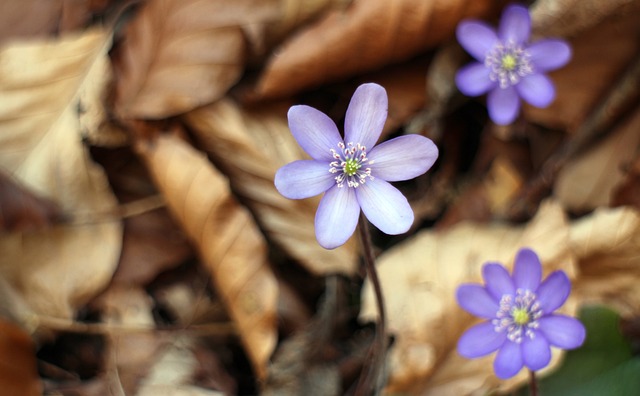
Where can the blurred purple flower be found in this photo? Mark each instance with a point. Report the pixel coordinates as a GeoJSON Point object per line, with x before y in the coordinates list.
{"type": "Point", "coordinates": [508, 66]}
{"type": "Point", "coordinates": [353, 173]}
{"type": "Point", "coordinates": [521, 324]}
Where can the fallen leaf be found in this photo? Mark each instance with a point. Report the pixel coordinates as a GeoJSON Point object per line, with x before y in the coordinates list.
{"type": "Point", "coordinates": [589, 180]}
{"type": "Point", "coordinates": [250, 146]}
{"type": "Point", "coordinates": [178, 55]}
{"type": "Point", "coordinates": [419, 278]}
{"type": "Point", "coordinates": [366, 36]}
{"type": "Point", "coordinates": [230, 244]}
{"type": "Point", "coordinates": [58, 269]}
{"type": "Point", "coordinates": [18, 368]}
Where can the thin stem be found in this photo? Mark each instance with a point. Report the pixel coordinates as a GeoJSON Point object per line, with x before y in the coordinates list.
{"type": "Point", "coordinates": [369, 380]}
{"type": "Point", "coordinates": [533, 384]}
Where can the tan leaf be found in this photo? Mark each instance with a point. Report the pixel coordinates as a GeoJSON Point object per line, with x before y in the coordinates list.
{"type": "Point", "coordinates": [589, 180]}
{"type": "Point", "coordinates": [179, 54]}
{"type": "Point", "coordinates": [231, 246]}
{"type": "Point", "coordinates": [419, 278]}
{"type": "Point", "coordinates": [250, 146]}
{"type": "Point", "coordinates": [41, 146]}
{"type": "Point", "coordinates": [364, 37]}
{"type": "Point", "coordinates": [18, 367]}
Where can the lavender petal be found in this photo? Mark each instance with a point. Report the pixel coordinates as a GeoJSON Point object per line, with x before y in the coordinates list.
{"type": "Point", "coordinates": [402, 158]}
{"type": "Point", "coordinates": [515, 24]}
{"type": "Point", "coordinates": [537, 90]}
{"type": "Point", "coordinates": [497, 280]}
{"type": "Point", "coordinates": [508, 360]}
{"type": "Point", "coordinates": [503, 105]}
{"type": "Point", "coordinates": [385, 206]}
{"type": "Point", "coordinates": [473, 79]}
{"type": "Point", "coordinates": [477, 38]}
{"type": "Point", "coordinates": [303, 179]}
{"type": "Point", "coordinates": [366, 115]}
{"type": "Point", "coordinates": [549, 54]}
{"type": "Point", "coordinates": [527, 270]}
{"type": "Point", "coordinates": [536, 352]}
{"type": "Point", "coordinates": [562, 331]}
{"type": "Point", "coordinates": [337, 217]}
{"type": "Point", "coordinates": [480, 340]}
{"type": "Point", "coordinates": [314, 131]}
{"type": "Point", "coordinates": [477, 301]}
{"type": "Point", "coordinates": [553, 292]}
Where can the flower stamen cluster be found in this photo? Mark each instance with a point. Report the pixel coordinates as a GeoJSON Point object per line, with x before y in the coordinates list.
{"type": "Point", "coordinates": [508, 63]}
{"type": "Point", "coordinates": [348, 164]}
{"type": "Point", "coordinates": [518, 316]}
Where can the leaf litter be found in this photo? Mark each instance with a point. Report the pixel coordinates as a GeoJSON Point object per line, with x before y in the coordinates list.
{"type": "Point", "coordinates": [145, 249]}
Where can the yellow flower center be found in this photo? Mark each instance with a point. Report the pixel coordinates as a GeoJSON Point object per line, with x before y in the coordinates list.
{"type": "Point", "coordinates": [509, 62]}
{"type": "Point", "coordinates": [520, 316]}
{"type": "Point", "coordinates": [351, 167]}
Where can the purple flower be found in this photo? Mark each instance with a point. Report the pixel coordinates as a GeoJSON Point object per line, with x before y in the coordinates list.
{"type": "Point", "coordinates": [520, 324]}
{"type": "Point", "coordinates": [353, 173]}
{"type": "Point", "coordinates": [508, 66]}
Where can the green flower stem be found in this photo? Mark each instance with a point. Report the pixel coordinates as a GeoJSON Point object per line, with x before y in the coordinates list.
{"type": "Point", "coordinates": [533, 384]}
{"type": "Point", "coordinates": [370, 378]}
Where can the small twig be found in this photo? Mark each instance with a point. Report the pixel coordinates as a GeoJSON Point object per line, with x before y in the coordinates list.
{"type": "Point", "coordinates": [533, 384]}
{"type": "Point", "coordinates": [130, 209]}
{"type": "Point", "coordinates": [370, 378]}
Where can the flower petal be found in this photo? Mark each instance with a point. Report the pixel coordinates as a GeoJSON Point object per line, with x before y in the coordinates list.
{"type": "Point", "coordinates": [366, 115]}
{"type": "Point", "coordinates": [508, 360]}
{"type": "Point", "coordinates": [562, 331]}
{"type": "Point", "coordinates": [537, 90]}
{"type": "Point", "coordinates": [477, 38]}
{"type": "Point", "coordinates": [553, 292]}
{"type": "Point", "coordinates": [549, 54]}
{"type": "Point", "coordinates": [473, 79]}
{"type": "Point", "coordinates": [497, 280]}
{"type": "Point", "coordinates": [477, 301]}
{"type": "Point", "coordinates": [314, 131]}
{"type": "Point", "coordinates": [515, 24]}
{"type": "Point", "coordinates": [304, 179]}
{"type": "Point", "coordinates": [527, 270]}
{"type": "Point", "coordinates": [337, 217]}
{"type": "Point", "coordinates": [536, 352]}
{"type": "Point", "coordinates": [385, 206]}
{"type": "Point", "coordinates": [403, 158]}
{"type": "Point", "coordinates": [480, 340]}
{"type": "Point", "coordinates": [503, 105]}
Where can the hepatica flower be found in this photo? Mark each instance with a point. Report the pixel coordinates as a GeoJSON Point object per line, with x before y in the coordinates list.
{"type": "Point", "coordinates": [519, 308]}
{"type": "Point", "coordinates": [508, 67]}
{"type": "Point", "coordinates": [351, 172]}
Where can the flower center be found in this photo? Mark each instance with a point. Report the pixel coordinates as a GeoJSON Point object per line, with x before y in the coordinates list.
{"type": "Point", "coordinates": [348, 164]}
{"type": "Point", "coordinates": [508, 63]}
{"type": "Point", "coordinates": [518, 315]}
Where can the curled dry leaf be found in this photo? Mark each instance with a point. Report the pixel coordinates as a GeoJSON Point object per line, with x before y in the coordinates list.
{"type": "Point", "coordinates": [178, 55]}
{"type": "Point", "coordinates": [250, 147]}
{"type": "Point", "coordinates": [231, 246]}
{"type": "Point", "coordinates": [18, 368]}
{"type": "Point", "coordinates": [57, 269]}
{"type": "Point", "coordinates": [364, 37]}
{"type": "Point", "coordinates": [589, 180]}
{"type": "Point", "coordinates": [419, 278]}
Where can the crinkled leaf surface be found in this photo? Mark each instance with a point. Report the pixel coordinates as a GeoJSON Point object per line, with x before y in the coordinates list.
{"type": "Point", "coordinates": [231, 246]}
{"type": "Point", "coordinates": [41, 146]}
{"type": "Point", "coordinates": [18, 367]}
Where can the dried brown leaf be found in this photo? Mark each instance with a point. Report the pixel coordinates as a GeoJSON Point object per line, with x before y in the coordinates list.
{"type": "Point", "coordinates": [419, 278]}
{"type": "Point", "coordinates": [178, 55]}
{"type": "Point", "coordinates": [18, 368]}
{"type": "Point", "coordinates": [231, 246]}
{"type": "Point", "coordinates": [41, 146]}
{"type": "Point", "coordinates": [364, 37]}
{"type": "Point", "coordinates": [589, 180]}
{"type": "Point", "coordinates": [250, 146]}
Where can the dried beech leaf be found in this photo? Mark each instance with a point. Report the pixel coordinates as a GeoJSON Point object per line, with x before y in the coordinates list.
{"type": "Point", "coordinates": [18, 368]}
{"type": "Point", "coordinates": [181, 54]}
{"type": "Point", "coordinates": [249, 147]}
{"type": "Point", "coordinates": [41, 147]}
{"type": "Point", "coordinates": [231, 246]}
{"type": "Point", "coordinates": [366, 36]}
{"type": "Point", "coordinates": [589, 180]}
{"type": "Point", "coordinates": [600, 55]}
{"type": "Point", "coordinates": [607, 244]}
{"type": "Point", "coordinates": [419, 278]}
{"type": "Point", "coordinates": [21, 210]}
